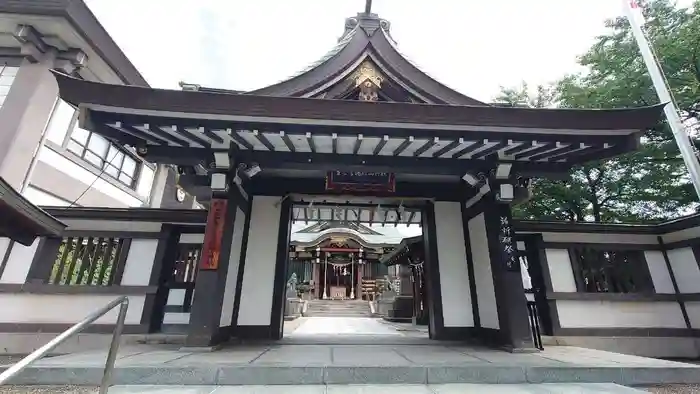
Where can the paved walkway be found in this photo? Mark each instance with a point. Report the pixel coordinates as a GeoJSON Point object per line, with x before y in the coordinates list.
{"type": "Point", "coordinates": [277, 364]}
{"type": "Point", "coordinates": [341, 326]}
{"type": "Point", "coordinates": [389, 389]}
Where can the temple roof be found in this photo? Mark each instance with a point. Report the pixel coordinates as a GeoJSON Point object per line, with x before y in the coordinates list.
{"type": "Point", "coordinates": [21, 220]}
{"type": "Point", "coordinates": [401, 132]}
{"type": "Point", "coordinates": [366, 39]}
{"type": "Point", "coordinates": [362, 107]}
{"type": "Point", "coordinates": [380, 236]}
{"type": "Point", "coordinates": [396, 256]}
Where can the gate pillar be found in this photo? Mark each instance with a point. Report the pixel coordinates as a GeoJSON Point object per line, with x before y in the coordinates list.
{"type": "Point", "coordinates": [212, 309]}
{"type": "Point", "coordinates": [514, 327]}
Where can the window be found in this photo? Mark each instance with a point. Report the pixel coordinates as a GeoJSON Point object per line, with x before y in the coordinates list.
{"type": "Point", "coordinates": [611, 271]}
{"type": "Point", "coordinates": [110, 158]}
{"type": "Point", "coordinates": [7, 77]}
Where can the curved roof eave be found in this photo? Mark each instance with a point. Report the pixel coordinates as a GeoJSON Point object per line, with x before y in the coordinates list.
{"type": "Point", "coordinates": [350, 51]}
{"type": "Point", "coordinates": [327, 67]}
{"type": "Point", "coordinates": [369, 241]}
{"type": "Point", "coordinates": [387, 50]}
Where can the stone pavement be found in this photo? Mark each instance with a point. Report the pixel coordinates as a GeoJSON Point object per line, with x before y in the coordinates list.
{"type": "Point", "coordinates": [357, 364]}
{"type": "Point", "coordinates": [388, 389]}
{"type": "Point", "coordinates": [346, 351]}
{"type": "Point", "coordinates": [343, 326]}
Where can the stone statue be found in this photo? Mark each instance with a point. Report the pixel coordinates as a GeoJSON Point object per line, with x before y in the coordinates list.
{"type": "Point", "coordinates": [292, 285]}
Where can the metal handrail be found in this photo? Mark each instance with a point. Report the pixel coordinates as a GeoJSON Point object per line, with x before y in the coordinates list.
{"type": "Point", "coordinates": [123, 301]}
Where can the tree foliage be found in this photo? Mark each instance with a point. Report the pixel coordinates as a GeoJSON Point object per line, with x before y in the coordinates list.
{"type": "Point", "coordinates": [647, 185]}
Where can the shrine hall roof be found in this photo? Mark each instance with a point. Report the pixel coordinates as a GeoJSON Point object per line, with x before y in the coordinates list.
{"type": "Point", "coordinates": [384, 235]}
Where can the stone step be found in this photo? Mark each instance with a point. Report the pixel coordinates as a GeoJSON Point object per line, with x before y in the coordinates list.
{"type": "Point", "coordinates": [90, 375]}
{"type": "Point", "coordinates": [340, 389]}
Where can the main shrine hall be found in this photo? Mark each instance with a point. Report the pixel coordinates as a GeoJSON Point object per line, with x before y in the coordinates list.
{"type": "Point", "coordinates": [361, 136]}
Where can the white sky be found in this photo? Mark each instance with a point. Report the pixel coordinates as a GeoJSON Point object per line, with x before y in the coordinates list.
{"type": "Point", "coordinates": [472, 46]}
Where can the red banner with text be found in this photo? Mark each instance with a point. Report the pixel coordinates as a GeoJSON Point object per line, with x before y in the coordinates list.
{"type": "Point", "coordinates": [211, 249]}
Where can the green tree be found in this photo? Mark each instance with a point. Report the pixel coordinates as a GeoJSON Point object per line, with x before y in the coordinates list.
{"type": "Point", "coordinates": [652, 183]}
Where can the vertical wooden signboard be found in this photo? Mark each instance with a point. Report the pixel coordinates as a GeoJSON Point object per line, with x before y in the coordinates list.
{"type": "Point", "coordinates": [508, 249]}
{"type": "Point", "coordinates": [214, 232]}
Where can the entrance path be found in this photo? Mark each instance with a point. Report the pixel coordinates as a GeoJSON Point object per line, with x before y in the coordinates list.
{"type": "Point", "coordinates": [354, 326]}
{"type": "Point", "coordinates": [293, 364]}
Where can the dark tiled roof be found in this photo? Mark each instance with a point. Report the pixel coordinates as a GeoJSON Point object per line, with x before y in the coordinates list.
{"type": "Point", "coordinates": [21, 220]}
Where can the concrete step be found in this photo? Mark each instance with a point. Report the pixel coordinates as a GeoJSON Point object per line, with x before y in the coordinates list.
{"type": "Point", "coordinates": [340, 389]}
{"type": "Point", "coordinates": [336, 308]}
{"type": "Point", "coordinates": [339, 375]}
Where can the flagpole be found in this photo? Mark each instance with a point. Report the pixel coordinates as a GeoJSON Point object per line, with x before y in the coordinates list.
{"type": "Point", "coordinates": [633, 11]}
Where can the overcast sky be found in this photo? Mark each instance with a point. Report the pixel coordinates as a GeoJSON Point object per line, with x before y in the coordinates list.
{"type": "Point", "coordinates": [472, 46]}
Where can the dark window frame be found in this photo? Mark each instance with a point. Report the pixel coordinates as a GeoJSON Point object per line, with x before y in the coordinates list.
{"type": "Point", "coordinates": [85, 149]}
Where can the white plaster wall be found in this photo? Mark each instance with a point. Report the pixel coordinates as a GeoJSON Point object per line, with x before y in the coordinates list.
{"type": "Point", "coordinates": [452, 261]}
{"type": "Point", "coordinates": [685, 269]}
{"type": "Point", "coordinates": [191, 238]}
{"type": "Point", "coordinates": [601, 314]}
{"type": "Point", "coordinates": [560, 270]}
{"type": "Point", "coordinates": [485, 292]}
{"type": "Point", "coordinates": [87, 178]}
{"type": "Point", "coordinates": [176, 297]}
{"type": "Point", "coordinates": [66, 309]}
{"type": "Point", "coordinates": [139, 262]}
{"type": "Point", "coordinates": [4, 244]}
{"type": "Point", "coordinates": [43, 199]}
{"type": "Point", "coordinates": [261, 253]}
{"type": "Point", "coordinates": [600, 238]}
{"type": "Point", "coordinates": [18, 264]}
{"type": "Point", "coordinates": [659, 272]}
{"type": "Point", "coordinates": [232, 273]}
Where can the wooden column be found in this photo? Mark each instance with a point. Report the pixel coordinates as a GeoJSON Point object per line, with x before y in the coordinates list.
{"type": "Point", "coordinates": [204, 328]}
{"type": "Point", "coordinates": [514, 331]}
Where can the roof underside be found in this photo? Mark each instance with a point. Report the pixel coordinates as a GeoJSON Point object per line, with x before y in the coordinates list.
{"type": "Point", "coordinates": [357, 214]}
{"type": "Point", "coordinates": [22, 221]}
{"type": "Point", "coordinates": [287, 134]}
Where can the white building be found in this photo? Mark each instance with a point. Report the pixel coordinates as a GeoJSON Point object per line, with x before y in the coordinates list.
{"type": "Point", "coordinates": [43, 154]}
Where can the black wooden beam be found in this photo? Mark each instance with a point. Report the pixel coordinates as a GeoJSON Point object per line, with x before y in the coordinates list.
{"type": "Point", "coordinates": [279, 186]}
{"type": "Point", "coordinates": [182, 156]}
{"type": "Point", "coordinates": [394, 164]}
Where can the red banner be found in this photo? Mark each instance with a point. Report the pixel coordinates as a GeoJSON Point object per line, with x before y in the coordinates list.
{"type": "Point", "coordinates": [213, 234]}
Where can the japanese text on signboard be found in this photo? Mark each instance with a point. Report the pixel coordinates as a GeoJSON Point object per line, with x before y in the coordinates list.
{"type": "Point", "coordinates": [507, 244]}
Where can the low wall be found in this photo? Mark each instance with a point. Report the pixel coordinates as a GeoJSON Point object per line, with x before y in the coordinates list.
{"type": "Point", "coordinates": [105, 253]}
{"type": "Point", "coordinates": [654, 307]}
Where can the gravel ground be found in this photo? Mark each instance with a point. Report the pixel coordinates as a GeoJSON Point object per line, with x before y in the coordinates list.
{"type": "Point", "coordinates": [674, 389]}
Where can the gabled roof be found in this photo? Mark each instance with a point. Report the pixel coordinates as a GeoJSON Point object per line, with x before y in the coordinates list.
{"type": "Point", "coordinates": [366, 37]}
{"type": "Point", "coordinates": [380, 237]}
{"type": "Point", "coordinates": [340, 225]}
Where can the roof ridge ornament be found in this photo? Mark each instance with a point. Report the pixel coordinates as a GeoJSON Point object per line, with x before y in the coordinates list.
{"type": "Point", "coordinates": [369, 80]}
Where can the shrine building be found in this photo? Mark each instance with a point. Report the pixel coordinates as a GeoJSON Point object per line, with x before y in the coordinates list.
{"type": "Point", "coordinates": [360, 137]}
